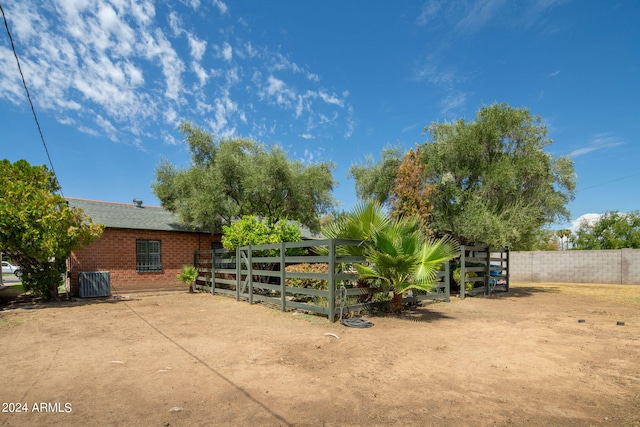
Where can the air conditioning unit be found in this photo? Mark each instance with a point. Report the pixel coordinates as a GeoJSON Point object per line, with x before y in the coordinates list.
{"type": "Point", "coordinates": [95, 284]}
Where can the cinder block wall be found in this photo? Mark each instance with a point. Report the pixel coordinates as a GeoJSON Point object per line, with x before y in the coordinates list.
{"type": "Point", "coordinates": [608, 266]}
{"type": "Point", "coordinates": [115, 252]}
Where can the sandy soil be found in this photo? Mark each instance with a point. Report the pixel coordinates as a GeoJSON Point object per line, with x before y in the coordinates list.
{"type": "Point", "coordinates": [186, 360]}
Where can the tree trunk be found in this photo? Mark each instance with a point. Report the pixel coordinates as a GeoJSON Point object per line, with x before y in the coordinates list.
{"type": "Point", "coordinates": [191, 288]}
{"type": "Point", "coordinates": [396, 303]}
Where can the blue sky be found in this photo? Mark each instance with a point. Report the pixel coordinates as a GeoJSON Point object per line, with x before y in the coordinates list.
{"type": "Point", "coordinates": [327, 80]}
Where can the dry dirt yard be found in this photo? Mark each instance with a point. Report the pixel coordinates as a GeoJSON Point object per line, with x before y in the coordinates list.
{"type": "Point", "coordinates": [177, 359]}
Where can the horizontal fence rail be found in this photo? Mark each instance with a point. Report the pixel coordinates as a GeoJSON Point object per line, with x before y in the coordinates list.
{"type": "Point", "coordinates": [315, 276]}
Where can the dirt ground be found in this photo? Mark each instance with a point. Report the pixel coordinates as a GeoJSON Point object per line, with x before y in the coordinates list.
{"type": "Point", "coordinates": [175, 359]}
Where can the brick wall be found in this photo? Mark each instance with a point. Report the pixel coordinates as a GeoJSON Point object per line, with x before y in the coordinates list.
{"type": "Point", "coordinates": [607, 266]}
{"type": "Point", "coordinates": [115, 252]}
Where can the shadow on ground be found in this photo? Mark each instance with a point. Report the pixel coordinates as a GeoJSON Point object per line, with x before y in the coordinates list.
{"type": "Point", "coordinates": [527, 291]}
{"type": "Point", "coordinates": [12, 298]}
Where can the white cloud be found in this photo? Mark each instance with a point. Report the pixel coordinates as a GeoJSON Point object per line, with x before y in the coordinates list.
{"type": "Point", "coordinates": [589, 219]}
{"type": "Point", "coordinates": [198, 47]}
{"type": "Point", "coordinates": [227, 52]}
{"type": "Point", "coordinates": [175, 24]}
{"type": "Point", "coordinates": [453, 101]}
{"type": "Point", "coordinates": [107, 126]}
{"type": "Point", "coordinates": [479, 15]}
{"type": "Point", "coordinates": [194, 4]}
{"type": "Point", "coordinates": [200, 72]}
{"type": "Point", "coordinates": [330, 99]}
{"type": "Point", "coordinates": [222, 6]}
{"type": "Point", "coordinates": [553, 74]}
{"type": "Point", "coordinates": [429, 12]}
{"type": "Point", "coordinates": [113, 67]}
{"type": "Point", "coordinates": [598, 142]}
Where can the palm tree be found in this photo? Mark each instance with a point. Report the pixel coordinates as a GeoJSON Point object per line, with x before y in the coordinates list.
{"type": "Point", "coordinates": [562, 234]}
{"type": "Point", "coordinates": [397, 251]}
{"type": "Point", "coordinates": [188, 276]}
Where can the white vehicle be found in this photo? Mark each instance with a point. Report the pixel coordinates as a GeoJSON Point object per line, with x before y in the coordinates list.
{"type": "Point", "coordinates": [8, 268]}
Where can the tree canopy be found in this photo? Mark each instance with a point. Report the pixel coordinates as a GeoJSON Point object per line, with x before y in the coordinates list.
{"type": "Point", "coordinates": [375, 181]}
{"type": "Point", "coordinates": [613, 230]}
{"type": "Point", "coordinates": [237, 177]}
{"type": "Point", "coordinates": [495, 183]}
{"type": "Point", "coordinates": [38, 230]}
{"type": "Point", "coordinates": [489, 181]}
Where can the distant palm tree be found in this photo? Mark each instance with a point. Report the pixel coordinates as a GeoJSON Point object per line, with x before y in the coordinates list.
{"type": "Point", "coordinates": [562, 234]}
{"type": "Point", "coordinates": [188, 276]}
{"type": "Point", "coordinates": [396, 249]}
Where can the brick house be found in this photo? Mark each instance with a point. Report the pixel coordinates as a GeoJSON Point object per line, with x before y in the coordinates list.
{"type": "Point", "coordinates": [143, 247]}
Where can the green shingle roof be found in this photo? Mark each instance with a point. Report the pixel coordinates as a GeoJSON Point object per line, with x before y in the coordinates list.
{"type": "Point", "coordinates": [123, 215]}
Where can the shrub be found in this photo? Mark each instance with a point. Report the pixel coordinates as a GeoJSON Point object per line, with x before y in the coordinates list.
{"type": "Point", "coordinates": [320, 284]}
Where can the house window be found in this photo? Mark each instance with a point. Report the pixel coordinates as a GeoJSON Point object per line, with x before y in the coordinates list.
{"type": "Point", "coordinates": [148, 255]}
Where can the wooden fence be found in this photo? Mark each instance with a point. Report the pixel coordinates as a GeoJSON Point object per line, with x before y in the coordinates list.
{"type": "Point", "coordinates": [490, 267]}
{"type": "Point", "coordinates": [259, 273]}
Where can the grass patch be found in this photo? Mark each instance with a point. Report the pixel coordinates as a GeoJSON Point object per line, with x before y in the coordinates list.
{"type": "Point", "coordinates": [13, 289]}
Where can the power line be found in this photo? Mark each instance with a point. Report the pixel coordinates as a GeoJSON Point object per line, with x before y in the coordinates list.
{"type": "Point", "coordinates": [607, 182]}
{"type": "Point", "coordinates": [24, 83]}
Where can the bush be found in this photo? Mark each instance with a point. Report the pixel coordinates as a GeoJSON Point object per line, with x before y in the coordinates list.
{"type": "Point", "coordinates": [252, 231]}
{"type": "Point", "coordinates": [320, 284]}
{"type": "Point", "coordinates": [43, 280]}
{"type": "Point", "coordinates": [456, 278]}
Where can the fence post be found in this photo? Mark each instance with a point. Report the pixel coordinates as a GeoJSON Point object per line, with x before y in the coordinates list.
{"type": "Point", "coordinates": [332, 280]}
{"type": "Point", "coordinates": [507, 272]}
{"type": "Point", "coordinates": [238, 275]}
{"type": "Point", "coordinates": [250, 273]}
{"type": "Point", "coordinates": [487, 271]}
{"type": "Point", "coordinates": [447, 281]}
{"type": "Point", "coordinates": [213, 271]}
{"type": "Point", "coordinates": [283, 283]}
{"type": "Point", "coordinates": [463, 273]}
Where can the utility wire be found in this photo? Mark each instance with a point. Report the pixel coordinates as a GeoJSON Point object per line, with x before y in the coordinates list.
{"type": "Point", "coordinates": [24, 83]}
{"type": "Point", "coordinates": [607, 182]}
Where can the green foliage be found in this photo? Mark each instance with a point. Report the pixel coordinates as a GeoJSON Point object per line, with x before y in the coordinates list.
{"type": "Point", "coordinates": [489, 181]}
{"type": "Point", "coordinates": [238, 177]}
{"type": "Point", "coordinates": [37, 229]}
{"type": "Point", "coordinates": [251, 231]}
{"type": "Point", "coordinates": [375, 181]}
{"type": "Point", "coordinates": [188, 276]}
{"type": "Point", "coordinates": [396, 249]}
{"type": "Point", "coordinates": [320, 284]}
{"type": "Point", "coordinates": [457, 276]}
{"type": "Point", "coordinates": [545, 239]}
{"type": "Point", "coordinates": [495, 184]}
{"type": "Point", "coordinates": [613, 230]}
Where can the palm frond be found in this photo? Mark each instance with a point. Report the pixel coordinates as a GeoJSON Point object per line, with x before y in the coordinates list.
{"type": "Point", "coordinates": [432, 254]}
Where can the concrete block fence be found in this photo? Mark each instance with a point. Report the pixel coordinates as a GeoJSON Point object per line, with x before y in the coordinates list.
{"type": "Point", "coordinates": [620, 266]}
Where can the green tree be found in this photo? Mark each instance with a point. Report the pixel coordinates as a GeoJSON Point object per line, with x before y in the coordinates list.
{"type": "Point", "coordinates": [494, 182]}
{"type": "Point", "coordinates": [613, 230]}
{"type": "Point", "coordinates": [545, 239]}
{"type": "Point", "coordinates": [375, 181]}
{"type": "Point", "coordinates": [237, 177]}
{"type": "Point", "coordinates": [38, 230]}
{"type": "Point", "coordinates": [396, 249]}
